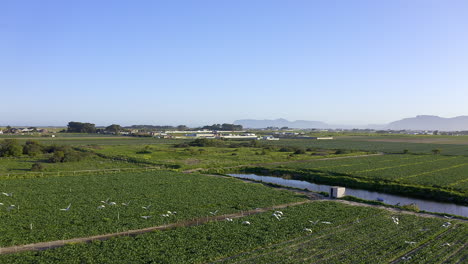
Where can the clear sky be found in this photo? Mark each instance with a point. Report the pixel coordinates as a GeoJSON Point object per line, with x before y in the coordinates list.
{"type": "Point", "coordinates": [202, 62]}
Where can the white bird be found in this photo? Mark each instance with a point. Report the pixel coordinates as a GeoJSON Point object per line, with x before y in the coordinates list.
{"type": "Point", "coordinates": [246, 223]}
{"type": "Point", "coordinates": [146, 216]}
{"type": "Point", "coordinates": [126, 204]}
{"type": "Point", "coordinates": [279, 213]}
{"type": "Point", "coordinates": [325, 222]}
{"type": "Point", "coordinates": [395, 220]}
{"type": "Point", "coordinates": [7, 194]}
{"type": "Point", "coordinates": [165, 215]}
{"type": "Point", "coordinates": [446, 244]}
{"type": "Point", "coordinates": [66, 209]}
{"type": "Point", "coordinates": [447, 224]}
{"type": "Point", "coordinates": [213, 213]}
{"type": "Point", "coordinates": [277, 216]}
{"type": "Point", "coordinates": [146, 207]}
{"type": "Point", "coordinates": [106, 201]}
{"type": "Point", "coordinates": [11, 207]}
{"type": "Point", "coordinates": [229, 219]}
{"type": "Point", "coordinates": [448, 217]}
{"type": "Point", "coordinates": [406, 258]}
{"type": "Point", "coordinates": [308, 230]}
{"type": "Point", "coordinates": [171, 213]}
{"type": "Point", "coordinates": [357, 221]}
{"type": "Point", "coordinates": [314, 222]}
{"type": "Point", "coordinates": [1, 203]}
{"type": "Point", "coordinates": [101, 206]}
{"type": "Point", "coordinates": [410, 242]}
{"type": "Point", "coordinates": [112, 203]}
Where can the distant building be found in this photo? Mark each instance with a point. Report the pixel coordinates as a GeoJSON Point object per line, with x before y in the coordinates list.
{"type": "Point", "coordinates": [268, 138]}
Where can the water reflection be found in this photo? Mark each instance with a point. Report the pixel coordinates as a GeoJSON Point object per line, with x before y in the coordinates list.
{"type": "Point", "coordinates": [391, 199]}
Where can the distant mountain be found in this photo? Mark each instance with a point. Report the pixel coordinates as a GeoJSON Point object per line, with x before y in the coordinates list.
{"type": "Point", "coordinates": [252, 123]}
{"type": "Point", "coordinates": [428, 122]}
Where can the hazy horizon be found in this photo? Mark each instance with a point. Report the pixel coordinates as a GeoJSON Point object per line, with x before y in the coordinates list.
{"type": "Point", "coordinates": [203, 62]}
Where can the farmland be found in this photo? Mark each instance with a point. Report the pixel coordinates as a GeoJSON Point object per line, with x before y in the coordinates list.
{"type": "Point", "coordinates": [314, 232]}
{"type": "Point", "coordinates": [36, 215]}
{"type": "Point", "coordinates": [378, 144]}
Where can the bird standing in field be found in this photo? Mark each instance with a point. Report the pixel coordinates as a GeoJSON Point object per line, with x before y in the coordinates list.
{"type": "Point", "coordinates": [7, 194]}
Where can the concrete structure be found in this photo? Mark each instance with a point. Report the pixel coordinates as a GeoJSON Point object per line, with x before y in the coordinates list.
{"type": "Point", "coordinates": [337, 192]}
{"type": "Point", "coordinates": [268, 138]}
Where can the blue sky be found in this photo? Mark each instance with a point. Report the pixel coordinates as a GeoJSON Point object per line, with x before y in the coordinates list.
{"type": "Point", "coordinates": [202, 62]}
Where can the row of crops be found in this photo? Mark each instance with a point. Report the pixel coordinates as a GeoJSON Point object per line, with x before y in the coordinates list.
{"type": "Point", "coordinates": [427, 170]}
{"type": "Point", "coordinates": [55, 208]}
{"type": "Point", "coordinates": [318, 232]}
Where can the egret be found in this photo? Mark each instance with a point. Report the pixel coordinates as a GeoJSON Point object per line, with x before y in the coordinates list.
{"type": "Point", "coordinates": [246, 223]}
{"type": "Point", "coordinates": [308, 230]}
{"type": "Point", "coordinates": [146, 217]}
{"type": "Point", "coordinates": [101, 206]}
{"type": "Point", "coordinates": [410, 242]}
{"type": "Point", "coordinates": [395, 220]}
{"type": "Point", "coordinates": [7, 194]}
{"type": "Point", "coordinates": [126, 204]}
{"type": "Point", "coordinates": [447, 224]}
{"type": "Point", "coordinates": [229, 219]}
{"type": "Point", "coordinates": [146, 207]}
{"type": "Point", "coordinates": [1, 203]}
{"type": "Point", "coordinates": [165, 215]}
{"type": "Point", "coordinates": [448, 217]}
{"type": "Point", "coordinates": [314, 222]}
{"type": "Point", "coordinates": [446, 244]}
{"type": "Point", "coordinates": [325, 222]}
{"type": "Point", "coordinates": [106, 201]}
{"type": "Point", "coordinates": [112, 203]}
{"type": "Point", "coordinates": [279, 213]}
{"type": "Point", "coordinates": [66, 209]}
{"type": "Point", "coordinates": [213, 213]}
{"type": "Point", "coordinates": [277, 216]}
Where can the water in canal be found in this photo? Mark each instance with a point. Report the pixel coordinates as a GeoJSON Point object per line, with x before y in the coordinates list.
{"type": "Point", "coordinates": [430, 206]}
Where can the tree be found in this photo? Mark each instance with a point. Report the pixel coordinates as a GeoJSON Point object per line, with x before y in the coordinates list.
{"type": "Point", "coordinates": [78, 127]}
{"type": "Point", "coordinates": [32, 148]}
{"type": "Point", "coordinates": [114, 128]}
{"type": "Point", "coordinates": [37, 167]}
{"type": "Point", "coordinates": [436, 151]}
{"type": "Point", "coordinates": [10, 148]}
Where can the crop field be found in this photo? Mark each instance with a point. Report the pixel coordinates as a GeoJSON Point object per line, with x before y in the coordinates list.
{"type": "Point", "coordinates": [448, 172]}
{"type": "Point", "coordinates": [54, 208]}
{"type": "Point", "coordinates": [205, 157]}
{"type": "Point", "coordinates": [317, 232]}
{"type": "Point", "coordinates": [21, 165]}
{"type": "Point", "coordinates": [362, 144]}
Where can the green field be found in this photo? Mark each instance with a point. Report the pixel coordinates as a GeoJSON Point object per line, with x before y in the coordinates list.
{"type": "Point", "coordinates": [447, 172]}
{"type": "Point", "coordinates": [38, 203]}
{"type": "Point", "coordinates": [206, 157]}
{"type": "Point", "coordinates": [363, 144]}
{"type": "Point", "coordinates": [352, 235]}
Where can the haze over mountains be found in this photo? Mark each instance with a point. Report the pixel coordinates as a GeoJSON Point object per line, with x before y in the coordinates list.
{"type": "Point", "coordinates": [420, 122]}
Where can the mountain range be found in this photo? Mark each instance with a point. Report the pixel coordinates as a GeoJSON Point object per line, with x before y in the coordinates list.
{"type": "Point", "coordinates": [420, 122]}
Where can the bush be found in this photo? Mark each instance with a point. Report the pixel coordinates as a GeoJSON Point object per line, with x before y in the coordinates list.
{"type": "Point", "coordinates": [32, 148]}
{"type": "Point", "coordinates": [299, 151]}
{"type": "Point", "coordinates": [10, 148]}
{"type": "Point", "coordinates": [37, 167]}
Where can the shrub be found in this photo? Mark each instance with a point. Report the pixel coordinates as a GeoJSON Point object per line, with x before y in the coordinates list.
{"type": "Point", "coordinates": [37, 167]}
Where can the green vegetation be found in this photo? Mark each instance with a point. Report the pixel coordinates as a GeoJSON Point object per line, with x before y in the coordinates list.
{"type": "Point", "coordinates": [325, 232]}
{"type": "Point", "coordinates": [434, 177]}
{"type": "Point", "coordinates": [38, 201]}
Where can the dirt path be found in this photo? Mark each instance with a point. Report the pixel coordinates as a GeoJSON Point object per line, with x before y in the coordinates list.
{"type": "Point", "coordinates": [285, 162]}
{"type": "Point", "coordinates": [193, 222]}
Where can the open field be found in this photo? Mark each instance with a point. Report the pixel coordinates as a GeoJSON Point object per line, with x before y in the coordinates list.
{"type": "Point", "coordinates": [36, 215]}
{"type": "Point", "coordinates": [317, 232]}
{"type": "Point", "coordinates": [206, 157]}
{"type": "Point", "coordinates": [23, 164]}
{"type": "Point", "coordinates": [375, 144]}
{"type": "Point", "coordinates": [448, 172]}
